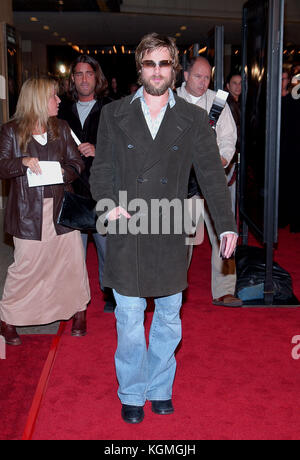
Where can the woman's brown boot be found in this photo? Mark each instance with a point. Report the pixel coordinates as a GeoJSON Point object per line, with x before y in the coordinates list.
{"type": "Point", "coordinates": [79, 324]}
{"type": "Point", "coordinates": [10, 334]}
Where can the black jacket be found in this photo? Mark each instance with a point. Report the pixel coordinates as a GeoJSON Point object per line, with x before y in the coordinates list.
{"type": "Point", "coordinates": [87, 133]}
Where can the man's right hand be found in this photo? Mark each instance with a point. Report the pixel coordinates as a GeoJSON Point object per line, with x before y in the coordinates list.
{"type": "Point", "coordinates": [86, 149]}
{"type": "Point", "coordinates": [116, 213]}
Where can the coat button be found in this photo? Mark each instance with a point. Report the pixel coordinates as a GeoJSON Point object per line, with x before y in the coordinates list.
{"type": "Point", "coordinates": [140, 179]}
{"type": "Point", "coordinates": [130, 146]}
{"type": "Point", "coordinates": [175, 147]}
{"type": "Point", "coordinates": [164, 180]}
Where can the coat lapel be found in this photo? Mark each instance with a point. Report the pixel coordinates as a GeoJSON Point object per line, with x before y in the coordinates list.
{"type": "Point", "coordinates": [172, 128]}
{"type": "Point", "coordinates": [131, 120]}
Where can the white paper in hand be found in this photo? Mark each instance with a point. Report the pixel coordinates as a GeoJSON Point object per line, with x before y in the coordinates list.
{"type": "Point", "coordinates": [51, 174]}
{"type": "Point", "coordinates": [75, 138]}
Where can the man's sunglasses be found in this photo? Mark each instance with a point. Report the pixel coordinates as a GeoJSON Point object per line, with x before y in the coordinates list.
{"type": "Point", "coordinates": [152, 64]}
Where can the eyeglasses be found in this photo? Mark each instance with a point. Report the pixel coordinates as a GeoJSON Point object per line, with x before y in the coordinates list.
{"type": "Point", "coordinates": [161, 64]}
{"type": "Point", "coordinates": [89, 74]}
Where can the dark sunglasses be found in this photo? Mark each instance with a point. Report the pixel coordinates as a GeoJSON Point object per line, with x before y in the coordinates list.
{"type": "Point", "coordinates": [152, 64]}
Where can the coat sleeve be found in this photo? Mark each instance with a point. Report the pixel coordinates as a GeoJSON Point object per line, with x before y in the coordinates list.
{"type": "Point", "coordinates": [210, 175]}
{"type": "Point", "coordinates": [226, 134]}
{"type": "Point", "coordinates": [102, 178]}
{"type": "Point", "coordinates": [10, 166]}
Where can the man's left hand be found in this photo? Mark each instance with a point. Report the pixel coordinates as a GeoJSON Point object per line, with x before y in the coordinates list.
{"type": "Point", "coordinates": [228, 245]}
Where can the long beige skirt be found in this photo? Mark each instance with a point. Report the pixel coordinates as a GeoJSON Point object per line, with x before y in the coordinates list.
{"type": "Point", "coordinates": [48, 280]}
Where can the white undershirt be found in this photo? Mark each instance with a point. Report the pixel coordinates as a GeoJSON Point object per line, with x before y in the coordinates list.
{"type": "Point", "coordinates": [84, 109]}
{"type": "Point", "coordinates": [194, 99]}
{"type": "Point", "coordinates": [41, 138]}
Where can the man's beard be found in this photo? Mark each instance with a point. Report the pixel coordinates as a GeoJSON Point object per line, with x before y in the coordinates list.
{"type": "Point", "coordinates": [153, 90]}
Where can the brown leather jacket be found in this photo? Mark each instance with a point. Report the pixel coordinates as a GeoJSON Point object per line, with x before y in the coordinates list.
{"type": "Point", "coordinates": [24, 210]}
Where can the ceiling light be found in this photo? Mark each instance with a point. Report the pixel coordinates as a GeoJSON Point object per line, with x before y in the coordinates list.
{"type": "Point", "coordinates": [33, 19]}
{"type": "Point", "coordinates": [62, 69]}
{"type": "Point", "coordinates": [183, 27]}
{"type": "Point", "coordinates": [178, 34]}
{"type": "Point", "coordinates": [63, 39]}
{"type": "Point", "coordinates": [46, 27]}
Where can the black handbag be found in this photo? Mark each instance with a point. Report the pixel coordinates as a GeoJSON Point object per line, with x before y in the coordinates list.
{"type": "Point", "coordinates": [78, 212]}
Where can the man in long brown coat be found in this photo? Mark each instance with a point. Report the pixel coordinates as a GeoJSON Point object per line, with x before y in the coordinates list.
{"type": "Point", "coordinates": [147, 144]}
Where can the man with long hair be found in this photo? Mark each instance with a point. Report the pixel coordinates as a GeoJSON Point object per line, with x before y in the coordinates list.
{"type": "Point", "coordinates": [87, 88]}
{"type": "Point", "coordinates": [147, 151]}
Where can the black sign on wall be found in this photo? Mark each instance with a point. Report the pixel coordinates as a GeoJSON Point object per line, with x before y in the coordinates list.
{"type": "Point", "coordinates": [261, 104]}
{"type": "Point", "coordinates": [260, 128]}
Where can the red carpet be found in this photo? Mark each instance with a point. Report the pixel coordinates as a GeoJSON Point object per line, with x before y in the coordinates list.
{"type": "Point", "coordinates": [236, 378]}
{"type": "Point", "coordinates": [19, 374]}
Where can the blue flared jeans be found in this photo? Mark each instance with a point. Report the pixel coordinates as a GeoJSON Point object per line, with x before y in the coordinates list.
{"type": "Point", "coordinates": [146, 373]}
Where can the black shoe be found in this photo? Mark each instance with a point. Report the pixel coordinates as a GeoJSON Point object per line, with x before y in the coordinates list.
{"type": "Point", "coordinates": [132, 414]}
{"type": "Point", "coordinates": [110, 306]}
{"type": "Point", "coordinates": [162, 407]}
{"type": "Point", "coordinates": [110, 303]}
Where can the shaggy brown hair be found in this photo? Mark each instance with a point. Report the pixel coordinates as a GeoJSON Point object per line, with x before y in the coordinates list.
{"type": "Point", "coordinates": [153, 42]}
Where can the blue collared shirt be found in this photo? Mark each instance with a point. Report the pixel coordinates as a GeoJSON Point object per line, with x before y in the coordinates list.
{"type": "Point", "coordinates": [153, 124]}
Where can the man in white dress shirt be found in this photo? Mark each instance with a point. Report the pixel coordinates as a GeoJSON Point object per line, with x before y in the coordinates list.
{"type": "Point", "coordinates": [195, 90]}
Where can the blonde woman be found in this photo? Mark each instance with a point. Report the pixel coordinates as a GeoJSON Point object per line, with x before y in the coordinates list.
{"type": "Point", "coordinates": [48, 280]}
